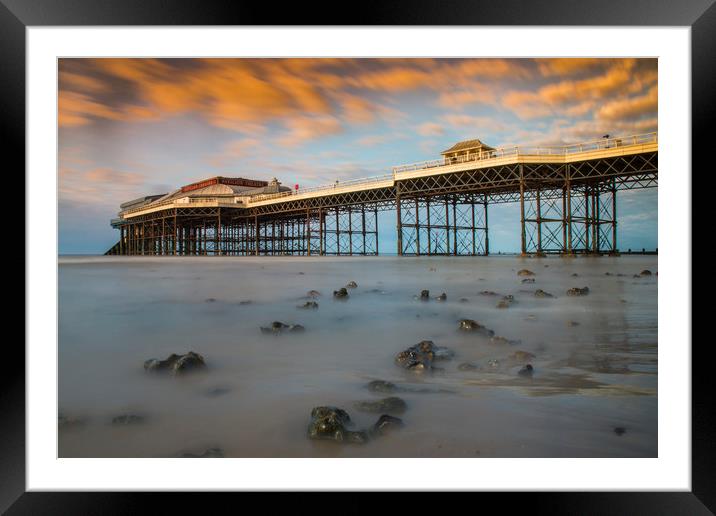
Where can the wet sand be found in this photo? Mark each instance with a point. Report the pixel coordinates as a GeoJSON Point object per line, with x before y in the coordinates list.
{"type": "Point", "coordinates": [255, 398]}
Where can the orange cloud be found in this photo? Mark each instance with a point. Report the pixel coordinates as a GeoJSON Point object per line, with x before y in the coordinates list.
{"type": "Point", "coordinates": [245, 95]}
{"type": "Point", "coordinates": [631, 107]}
{"type": "Point", "coordinates": [579, 97]}
{"type": "Point", "coordinates": [570, 65]}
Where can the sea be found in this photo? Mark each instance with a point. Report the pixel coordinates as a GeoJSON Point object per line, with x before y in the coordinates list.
{"type": "Point", "coordinates": [592, 391]}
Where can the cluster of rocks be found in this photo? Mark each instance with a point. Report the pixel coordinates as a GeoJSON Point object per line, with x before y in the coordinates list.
{"type": "Point", "coordinates": [425, 296]}
{"type": "Point", "coordinates": [278, 328]}
{"type": "Point", "coordinates": [576, 291]}
{"type": "Point", "coordinates": [421, 356]}
{"type": "Point", "coordinates": [331, 423]}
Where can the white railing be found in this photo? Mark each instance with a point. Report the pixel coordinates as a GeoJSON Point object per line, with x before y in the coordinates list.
{"type": "Point", "coordinates": [503, 152]}
{"type": "Point", "coordinates": [337, 186]}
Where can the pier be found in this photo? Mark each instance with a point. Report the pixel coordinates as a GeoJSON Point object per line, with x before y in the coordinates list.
{"type": "Point", "coordinates": [567, 197]}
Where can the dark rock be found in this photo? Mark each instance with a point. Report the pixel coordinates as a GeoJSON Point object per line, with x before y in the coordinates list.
{"type": "Point", "coordinates": [341, 293]}
{"type": "Point", "coordinates": [619, 430]}
{"type": "Point", "coordinates": [420, 357]}
{"type": "Point", "coordinates": [209, 453]}
{"type": "Point", "coordinates": [329, 423]}
{"type": "Point", "coordinates": [176, 364]}
{"type": "Point", "coordinates": [525, 272]}
{"type": "Point", "coordinates": [352, 284]}
{"type": "Point", "coordinates": [278, 328]}
{"type": "Point", "coordinates": [386, 424]}
{"type": "Point", "coordinates": [442, 297]}
{"type": "Point", "coordinates": [382, 386]}
{"type": "Point", "coordinates": [541, 293]}
{"type": "Point", "coordinates": [309, 305]}
{"type": "Point", "coordinates": [527, 371]}
{"type": "Point", "coordinates": [474, 326]}
{"type": "Point", "coordinates": [576, 291]}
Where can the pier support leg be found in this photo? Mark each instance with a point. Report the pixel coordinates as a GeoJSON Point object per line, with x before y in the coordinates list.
{"type": "Point", "coordinates": [400, 221]}
{"type": "Point", "coordinates": [523, 246]}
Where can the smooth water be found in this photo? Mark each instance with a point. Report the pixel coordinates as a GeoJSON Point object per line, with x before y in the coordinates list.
{"type": "Point", "coordinates": [255, 398]}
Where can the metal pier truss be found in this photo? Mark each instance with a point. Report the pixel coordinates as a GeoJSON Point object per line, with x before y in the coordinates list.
{"type": "Point", "coordinates": [567, 198]}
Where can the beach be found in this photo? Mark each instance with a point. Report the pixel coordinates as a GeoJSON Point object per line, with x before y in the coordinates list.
{"type": "Point", "coordinates": [592, 393]}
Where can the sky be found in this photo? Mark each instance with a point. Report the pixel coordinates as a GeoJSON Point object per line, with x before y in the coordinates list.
{"type": "Point", "coordinates": [134, 127]}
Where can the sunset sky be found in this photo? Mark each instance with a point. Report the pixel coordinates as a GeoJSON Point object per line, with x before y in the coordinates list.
{"type": "Point", "coordinates": [133, 127]}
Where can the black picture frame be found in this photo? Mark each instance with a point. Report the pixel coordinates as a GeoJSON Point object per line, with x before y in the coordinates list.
{"type": "Point", "coordinates": [699, 15]}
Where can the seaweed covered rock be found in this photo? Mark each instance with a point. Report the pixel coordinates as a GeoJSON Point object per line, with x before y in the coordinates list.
{"type": "Point", "coordinates": [330, 423]}
{"type": "Point", "coordinates": [176, 364]}
{"type": "Point", "coordinates": [576, 291]}
{"type": "Point", "coordinates": [468, 325]}
{"type": "Point", "coordinates": [341, 293]}
{"type": "Point", "coordinates": [382, 386]}
{"type": "Point", "coordinates": [386, 424]}
{"type": "Point", "coordinates": [541, 293]}
{"type": "Point", "coordinates": [525, 272]}
{"type": "Point", "coordinates": [421, 356]}
{"type": "Point", "coordinates": [278, 328]}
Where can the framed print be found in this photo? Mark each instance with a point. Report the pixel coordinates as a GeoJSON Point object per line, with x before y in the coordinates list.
{"type": "Point", "coordinates": [336, 258]}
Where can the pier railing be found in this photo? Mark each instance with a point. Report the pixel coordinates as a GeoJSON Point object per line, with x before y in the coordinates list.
{"type": "Point", "coordinates": [543, 150]}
